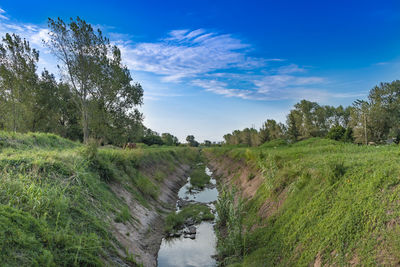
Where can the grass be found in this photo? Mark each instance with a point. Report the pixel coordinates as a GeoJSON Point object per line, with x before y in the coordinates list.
{"type": "Point", "coordinates": [230, 226]}
{"type": "Point", "coordinates": [56, 203]}
{"type": "Point", "coordinates": [198, 177]}
{"type": "Point", "coordinates": [197, 212]}
{"type": "Point", "coordinates": [335, 201]}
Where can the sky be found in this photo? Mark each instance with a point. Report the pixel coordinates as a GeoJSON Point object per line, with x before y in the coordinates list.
{"type": "Point", "coordinates": [210, 67]}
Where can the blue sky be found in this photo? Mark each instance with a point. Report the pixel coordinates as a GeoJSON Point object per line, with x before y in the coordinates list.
{"type": "Point", "coordinates": [210, 67]}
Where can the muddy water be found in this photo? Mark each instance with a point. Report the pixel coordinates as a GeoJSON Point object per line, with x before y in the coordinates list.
{"type": "Point", "coordinates": [185, 252]}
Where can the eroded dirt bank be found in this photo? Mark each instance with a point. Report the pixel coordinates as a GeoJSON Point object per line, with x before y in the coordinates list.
{"type": "Point", "coordinates": [142, 236]}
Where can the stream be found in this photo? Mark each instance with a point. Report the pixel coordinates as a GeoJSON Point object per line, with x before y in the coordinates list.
{"type": "Point", "coordinates": [184, 251]}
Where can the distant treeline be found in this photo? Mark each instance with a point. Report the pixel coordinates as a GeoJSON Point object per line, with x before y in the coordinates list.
{"type": "Point", "coordinates": [375, 120]}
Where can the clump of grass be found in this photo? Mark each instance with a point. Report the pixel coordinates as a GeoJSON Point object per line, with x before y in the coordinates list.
{"type": "Point", "coordinates": [337, 170]}
{"type": "Point", "coordinates": [146, 186]}
{"type": "Point", "coordinates": [251, 176]}
{"type": "Point", "coordinates": [197, 212]}
{"type": "Point", "coordinates": [159, 176]}
{"type": "Point", "coordinates": [230, 226]}
{"type": "Point", "coordinates": [198, 177]}
{"type": "Point", "coordinates": [123, 216]}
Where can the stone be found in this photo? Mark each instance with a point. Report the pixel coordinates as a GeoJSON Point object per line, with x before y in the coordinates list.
{"type": "Point", "coordinates": [178, 233]}
{"type": "Point", "coordinates": [191, 236]}
{"type": "Point", "coordinates": [189, 222]}
{"type": "Point", "coordinates": [192, 230]}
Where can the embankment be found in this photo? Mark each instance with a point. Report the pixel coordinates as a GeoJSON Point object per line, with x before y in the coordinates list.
{"type": "Point", "coordinates": [314, 203]}
{"type": "Point", "coordinates": [65, 204]}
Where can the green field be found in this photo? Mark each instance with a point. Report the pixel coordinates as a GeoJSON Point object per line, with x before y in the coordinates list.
{"type": "Point", "coordinates": [319, 201]}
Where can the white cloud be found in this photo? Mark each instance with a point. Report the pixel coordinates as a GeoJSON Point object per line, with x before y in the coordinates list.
{"type": "Point", "coordinates": [292, 68]}
{"type": "Point", "coordinates": [217, 63]}
{"type": "Point", "coordinates": [187, 54]}
{"type": "Point", "coordinates": [2, 14]}
{"type": "Point", "coordinates": [280, 82]}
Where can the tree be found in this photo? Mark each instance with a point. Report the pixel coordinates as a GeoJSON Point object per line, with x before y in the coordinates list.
{"type": "Point", "coordinates": [101, 85]}
{"type": "Point", "coordinates": [336, 133]}
{"type": "Point", "coordinates": [191, 141]}
{"type": "Point", "coordinates": [18, 81]}
{"type": "Point", "coordinates": [360, 119]}
{"type": "Point", "coordinates": [292, 131]}
{"type": "Point", "coordinates": [169, 139]}
{"type": "Point", "coordinates": [270, 130]}
{"type": "Point", "coordinates": [207, 143]}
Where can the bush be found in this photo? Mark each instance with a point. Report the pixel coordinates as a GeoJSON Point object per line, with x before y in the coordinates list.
{"type": "Point", "coordinates": [336, 133]}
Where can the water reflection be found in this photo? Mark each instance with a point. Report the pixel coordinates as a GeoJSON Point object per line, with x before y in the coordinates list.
{"type": "Point", "coordinates": [186, 252]}
{"type": "Point", "coordinates": [190, 252]}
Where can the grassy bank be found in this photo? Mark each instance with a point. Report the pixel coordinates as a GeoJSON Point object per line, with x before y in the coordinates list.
{"type": "Point", "coordinates": [56, 202]}
{"type": "Point", "coordinates": [316, 202]}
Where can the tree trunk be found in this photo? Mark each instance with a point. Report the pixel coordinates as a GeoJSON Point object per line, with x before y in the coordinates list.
{"type": "Point", "coordinates": [85, 123]}
{"type": "Point", "coordinates": [365, 129]}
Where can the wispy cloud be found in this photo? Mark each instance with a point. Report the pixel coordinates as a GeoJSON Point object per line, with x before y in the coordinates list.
{"type": "Point", "coordinates": [2, 14]}
{"type": "Point", "coordinates": [187, 54]}
{"type": "Point", "coordinates": [219, 63]}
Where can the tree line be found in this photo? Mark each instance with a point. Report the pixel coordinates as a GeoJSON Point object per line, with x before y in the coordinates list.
{"type": "Point", "coordinates": [94, 96]}
{"type": "Point", "coordinates": [375, 120]}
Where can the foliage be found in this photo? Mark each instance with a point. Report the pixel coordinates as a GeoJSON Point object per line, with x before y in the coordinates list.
{"type": "Point", "coordinates": [169, 140]}
{"type": "Point", "coordinates": [191, 141]}
{"type": "Point", "coordinates": [102, 87]}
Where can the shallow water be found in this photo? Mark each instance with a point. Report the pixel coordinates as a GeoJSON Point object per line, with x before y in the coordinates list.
{"type": "Point", "coordinates": [204, 196]}
{"type": "Point", "coordinates": [186, 252]}
{"type": "Point", "coordinates": [189, 252]}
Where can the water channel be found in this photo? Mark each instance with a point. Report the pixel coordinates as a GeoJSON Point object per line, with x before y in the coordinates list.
{"type": "Point", "coordinates": [186, 252]}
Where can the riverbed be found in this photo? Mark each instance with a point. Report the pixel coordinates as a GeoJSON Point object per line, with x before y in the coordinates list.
{"type": "Point", "coordinates": [187, 252]}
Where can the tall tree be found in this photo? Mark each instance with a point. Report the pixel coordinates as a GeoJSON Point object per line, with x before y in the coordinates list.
{"type": "Point", "coordinates": [18, 81]}
{"type": "Point", "coordinates": [93, 69]}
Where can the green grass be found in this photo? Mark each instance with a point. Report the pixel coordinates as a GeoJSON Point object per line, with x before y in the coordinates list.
{"type": "Point", "coordinates": [339, 201]}
{"type": "Point", "coordinates": [56, 204]}
{"type": "Point", "coordinates": [198, 177]}
{"type": "Point", "coordinates": [197, 212]}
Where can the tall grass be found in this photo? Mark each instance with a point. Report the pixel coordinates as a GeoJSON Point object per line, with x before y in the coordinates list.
{"type": "Point", "coordinates": [230, 226]}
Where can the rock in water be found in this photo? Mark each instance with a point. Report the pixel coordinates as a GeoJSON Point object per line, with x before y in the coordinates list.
{"type": "Point", "coordinates": [192, 230]}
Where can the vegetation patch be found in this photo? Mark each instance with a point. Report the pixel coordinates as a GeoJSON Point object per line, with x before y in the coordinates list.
{"type": "Point", "coordinates": [197, 212]}
{"type": "Point", "coordinates": [198, 177]}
